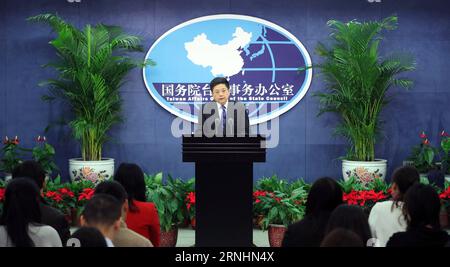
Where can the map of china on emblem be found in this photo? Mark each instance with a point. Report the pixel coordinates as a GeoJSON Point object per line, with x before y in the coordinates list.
{"type": "Point", "coordinates": [260, 59]}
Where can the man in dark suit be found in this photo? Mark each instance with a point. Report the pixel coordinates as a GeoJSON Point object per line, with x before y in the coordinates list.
{"type": "Point", "coordinates": [49, 215]}
{"type": "Point", "coordinates": [222, 117]}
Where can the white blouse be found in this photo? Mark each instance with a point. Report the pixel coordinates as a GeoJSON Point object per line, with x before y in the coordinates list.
{"type": "Point", "coordinates": [41, 235]}
{"type": "Point", "coordinates": [386, 220]}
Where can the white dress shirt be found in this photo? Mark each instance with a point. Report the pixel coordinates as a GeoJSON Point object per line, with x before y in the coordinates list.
{"type": "Point", "coordinates": [219, 107]}
{"type": "Point", "coordinates": [109, 243]}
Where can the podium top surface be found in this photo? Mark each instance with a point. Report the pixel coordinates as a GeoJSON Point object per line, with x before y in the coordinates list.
{"type": "Point", "coordinates": [191, 138]}
{"type": "Point", "coordinates": [225, 149]}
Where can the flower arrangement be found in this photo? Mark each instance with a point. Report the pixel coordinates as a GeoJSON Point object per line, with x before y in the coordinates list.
{"type": "Point", "coordinates": [277, 201]}
{"type": "Point", "coordinates": [423, 155]}
{"type": "Point", "coordinates": [282, 208]}
{"type": "Point", "coordinates": [363, 193]}
{"type": "Point", "coordinates": [11, 155]}
{"type": "Point", "coordinates": [62, 199]}
{"type": "Point", "coordinates": [364, 198]}
{"type": "Point", "coordinates": [69, 198]}
{"type": "Point", "coordinates": [43, 153]}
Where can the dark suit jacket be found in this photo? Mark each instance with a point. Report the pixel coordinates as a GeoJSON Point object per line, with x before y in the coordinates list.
{"type": "Point", "coordinates": [54, 218]}
{"type": "Point", "coordinates": [237, 120]}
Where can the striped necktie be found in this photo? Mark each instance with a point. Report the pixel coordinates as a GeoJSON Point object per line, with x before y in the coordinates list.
{"type": "Point", "coordinates": [224, 119]}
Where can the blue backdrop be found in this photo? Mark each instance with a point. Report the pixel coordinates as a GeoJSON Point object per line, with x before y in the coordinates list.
{"type": "Point", "coordinates": [307, 148]}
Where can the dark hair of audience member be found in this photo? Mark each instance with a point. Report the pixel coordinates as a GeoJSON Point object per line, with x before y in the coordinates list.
{"type": "Point", "coordinates": [102, 209]}
{"type": "Point", "coordinates": [32, 170]}
{"type": "Point", "coordinates": [324, 196]}
{"type": "Point", "coordinates": [340, 237]}
{"type": "Point", "coordinates": [112, 188]}
{"type": "Point", "coordinates": [352, 218]}
{"type": "Point", "coordinates": [131, 177]}
{"type": "Point", "coordinates": [404, 177]}
{"type": "Point", "coordinates": [20, 209]}
{"type": "Point", "coordinates": [89, 237]}
{"type": "Point", "coordinates": [422, 207]}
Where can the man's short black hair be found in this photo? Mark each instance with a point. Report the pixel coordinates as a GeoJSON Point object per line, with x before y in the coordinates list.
{"type": "Point", "coordinates": [112, 188]}
{"type": "Point", "coordinates": [102, 209]}
{"type": "Point", "coordinates": [32, 170]}
{"type": "Point", "coordinates": [219, 80]}
{"type": "Point", "coordinates": [89, 237]}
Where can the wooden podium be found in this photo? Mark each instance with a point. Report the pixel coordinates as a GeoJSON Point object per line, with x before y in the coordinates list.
{"type": "Point", "coordinates": [223, 187]}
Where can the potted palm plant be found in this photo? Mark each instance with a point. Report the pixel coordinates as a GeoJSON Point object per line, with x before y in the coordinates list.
{"type": "Point", "coordinates": [91, 66]}
{"type": "Point", "coordinates": [357, 80]}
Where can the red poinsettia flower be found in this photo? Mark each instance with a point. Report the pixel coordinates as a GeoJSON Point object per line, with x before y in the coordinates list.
{"type": "Point", "coordinates": [426, 142]}
{"type": "Point", "coordinates": [445, 194]}
{"type": "Point", "coordinates": [57, 197]}
{"type": "Point", "coordinates": [86, 194]}
{"type": "Point", "coordinates": [2, 194]}
{"type": "Point", "coordinates": [361, 197]}
{"type": "Point", "coordinates": [190, 200]}
{"type": "Point", "coordinates": [50, 194]}
{"type": "Point", "coordinates": [66, 192]}
{"type": "Point", "coordinates": [257, 194]}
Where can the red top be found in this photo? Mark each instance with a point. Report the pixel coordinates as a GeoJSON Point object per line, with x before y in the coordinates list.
{"type": "Point", "coordinates": [145, 221]}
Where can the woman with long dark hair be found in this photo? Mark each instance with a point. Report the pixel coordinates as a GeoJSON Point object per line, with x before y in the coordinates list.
{"type": "Point", "coordinates": [324, 196]}
{"type": "Point", "coordinates": [421, 210]}
{"type": "Point", "coordinates": [21, 217]}
{"type": "Point", "coordinates": [386, 217]}
{"type": "Point", "coordinates": [142, 217]}
{"type": "Point", "coordinates": [352, 218]}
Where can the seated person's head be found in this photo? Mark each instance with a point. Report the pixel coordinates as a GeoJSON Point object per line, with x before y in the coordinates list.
{"type": "Point", "coordinates": [422, 207]}
{"type": "Point", "coordinates": [402, 179]}
{"type": "Point", "coordinates": [131, 177]}
{"type": "Point", "coordinates": [116, 190]}
{"type": "Point", "coordinates": [323, 197]}
{"type": "Point", "coordinates": [20, 209]}
{"type": "Point", "coordinates": [88, 237]}
{"type": "Point", "coordinates": [352, 218]}
{"type": "Point", "coordinates": [340, 237]}
{"type": "Point", "coordinates": [32, 170]}
{"type": "Point", "coordinates": [220, 89]}
{"type": "Point", "coordinates": [102, 212]}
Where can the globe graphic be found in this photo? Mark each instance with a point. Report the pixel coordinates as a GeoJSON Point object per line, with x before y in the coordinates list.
{"type": "Point", "coordinates": [261, 63]}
